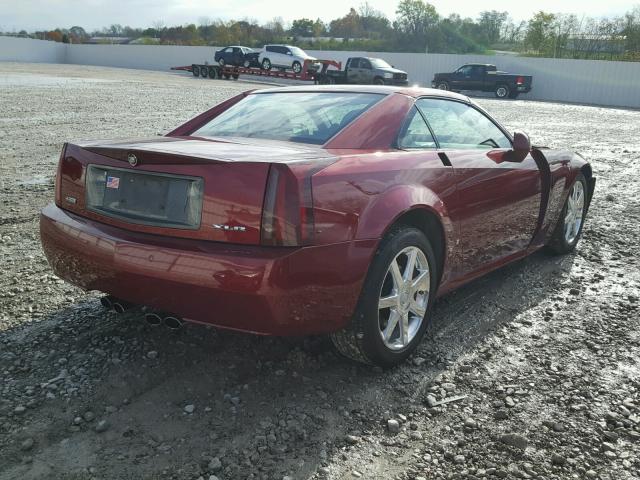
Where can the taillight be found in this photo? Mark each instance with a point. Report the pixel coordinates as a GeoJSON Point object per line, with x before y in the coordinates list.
{"type": "Point", "coordinates": [58, 184]}
{"type": "Point", "coordinates": [520, 81]}
{"type": "Point", "coordinates": [287, 215]}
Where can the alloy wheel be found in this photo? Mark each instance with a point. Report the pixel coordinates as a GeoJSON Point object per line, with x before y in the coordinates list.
{"type": "Point", "coordinates": [403, 298]}
{"type": "Point", "coordinates": [575, 212]}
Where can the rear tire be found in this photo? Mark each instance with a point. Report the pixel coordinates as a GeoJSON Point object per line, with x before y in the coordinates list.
{"type": "Point", "coordinates": [195, 69]}
{"type": "Point", "coordinates": [569, 227]}
{"type": "Point", "coordinates": [235, 76]}
{"type": "Point", "coordinates": [502, 91]}
{"type": "Point", "coordinates": [392, 304]}
{"type": "Point", "coordinates": [513, 95]}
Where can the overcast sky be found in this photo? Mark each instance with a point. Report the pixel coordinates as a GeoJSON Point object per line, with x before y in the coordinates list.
{"type": "Point", "coordinates": [93, 14]}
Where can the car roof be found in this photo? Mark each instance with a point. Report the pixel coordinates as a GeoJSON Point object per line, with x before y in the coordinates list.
{"type": "Point", "coordinates": [380, 89]}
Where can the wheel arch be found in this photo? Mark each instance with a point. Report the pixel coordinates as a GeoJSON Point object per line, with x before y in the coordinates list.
{"type": "Point", "coordinates": [414, 206]}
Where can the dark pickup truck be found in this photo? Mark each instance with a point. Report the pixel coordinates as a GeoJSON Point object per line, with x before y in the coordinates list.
{"type": "Point", "coordinates": [364, 71]}
{"type": "Point", "coordinates": [484, 78]}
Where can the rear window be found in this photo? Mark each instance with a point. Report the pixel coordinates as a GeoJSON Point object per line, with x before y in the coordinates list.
{"type": "Point", "coordinates": [304, 117]}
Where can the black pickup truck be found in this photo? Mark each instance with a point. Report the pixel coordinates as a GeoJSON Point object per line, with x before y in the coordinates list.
{"type": "Point", "coordinates": [485, 78]}
{"type": "Point", "coordinates": [364, 71]}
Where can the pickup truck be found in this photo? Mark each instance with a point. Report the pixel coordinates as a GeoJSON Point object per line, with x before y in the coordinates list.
{"type": "Point", "coordinates": [484, 78]}
{"type": "Point", "coordinates": [364, 71]}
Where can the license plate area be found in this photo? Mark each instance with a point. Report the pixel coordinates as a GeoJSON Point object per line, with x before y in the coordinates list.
{"type": "Point", "coordinates": [144, 198]}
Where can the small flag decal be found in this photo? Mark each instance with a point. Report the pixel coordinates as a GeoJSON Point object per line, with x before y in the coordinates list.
{"type": "Point", "coordinates": [113, 182]}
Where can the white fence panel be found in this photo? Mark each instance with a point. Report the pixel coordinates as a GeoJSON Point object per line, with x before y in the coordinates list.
{"type": "Point", "coordinates": [563, 80]}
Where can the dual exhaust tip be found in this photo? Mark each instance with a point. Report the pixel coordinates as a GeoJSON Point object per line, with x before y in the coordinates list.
{"type": "Point", "coordinates": [152, 318]}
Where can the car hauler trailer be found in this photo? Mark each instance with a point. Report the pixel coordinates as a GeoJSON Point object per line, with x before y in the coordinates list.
{"type": "Point", "coordinates": [308, 73]}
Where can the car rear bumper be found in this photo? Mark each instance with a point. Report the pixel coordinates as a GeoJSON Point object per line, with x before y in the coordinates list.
{"type": "Point", "coordinates": [264, 290]}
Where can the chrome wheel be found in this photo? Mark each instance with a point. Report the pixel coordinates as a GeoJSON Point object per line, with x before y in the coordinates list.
{"type": "Point", "coordinates": [403, 298]}
{"type": "Point", "coordinates": [443, 86]}
{"type": "Point", "coordinates": [575, 212]}
{"type": "Point", "coordinates": [502, 92]}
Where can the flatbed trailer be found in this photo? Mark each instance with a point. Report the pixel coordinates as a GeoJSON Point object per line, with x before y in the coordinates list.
{"type": "Point", "coordinates": [227, 72]}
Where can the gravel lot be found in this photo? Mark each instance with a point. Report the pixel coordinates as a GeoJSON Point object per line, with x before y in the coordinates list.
{"type": "Point", "coordinates": [537, 363]}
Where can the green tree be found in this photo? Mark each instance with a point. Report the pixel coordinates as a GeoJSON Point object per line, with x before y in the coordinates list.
{"type": "Point", "coordinates": [415, 18]}
{"type": "Point", "coordinates": [540, 35]}
{"type": "Point", "coordinates": [302, 27]}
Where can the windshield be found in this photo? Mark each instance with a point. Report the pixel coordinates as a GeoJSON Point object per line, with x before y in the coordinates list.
{"type": "Point", "coordinates": [379, 63]}
{"type": "Point", "coordinates": [304, 117]}
{"type": "Point", "coordinates": [297, 51]}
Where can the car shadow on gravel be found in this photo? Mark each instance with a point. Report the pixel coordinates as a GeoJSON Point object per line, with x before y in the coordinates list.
{"type": "Point", "coordinates": [137, 400]}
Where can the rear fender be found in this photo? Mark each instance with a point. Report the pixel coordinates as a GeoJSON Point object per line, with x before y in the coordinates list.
{"type": "Point", "coordinates": [389, 208]}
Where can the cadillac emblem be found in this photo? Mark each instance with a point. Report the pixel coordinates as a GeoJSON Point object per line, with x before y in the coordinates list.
{"type": "Point", "coordinates": [133, 160]}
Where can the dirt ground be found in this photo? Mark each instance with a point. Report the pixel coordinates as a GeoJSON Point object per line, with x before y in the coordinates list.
{"type": "Point", "coordinates": [538, 361]}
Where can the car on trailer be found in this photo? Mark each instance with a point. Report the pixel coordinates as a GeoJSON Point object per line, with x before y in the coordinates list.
{"type": "Point", "coordinates": [340, 210]}
{"type": "Point", "coordinates": [283, 56]}
{"type": "Point", "coordinates": [238, 56]}
{"type": "Point", "coordinates": [365, 71]}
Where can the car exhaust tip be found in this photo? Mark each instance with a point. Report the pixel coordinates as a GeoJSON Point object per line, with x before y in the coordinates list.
{"type": "Point", "coordinates": [120, 306]}
{"type": "Point", "coordinates": [152, 319]}
{"type": "Point", "coordinates": [107, 302]}
{"type": "Point", "coordinates": [174, 323]}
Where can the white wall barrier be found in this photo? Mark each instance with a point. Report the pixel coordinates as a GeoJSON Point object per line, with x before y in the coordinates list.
{"type": "Point", "coordinates": [580, 81]}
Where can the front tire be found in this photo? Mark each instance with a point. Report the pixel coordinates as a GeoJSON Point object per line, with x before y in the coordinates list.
{"type": "Point", "coordinates": [266, 64]}
{"type": "Point", "coordinates": [296, 67]}
{"type": "Point", "coordinates": [221, 62]}
{"type": "Point", "coordinates": [394, 306]}
{"type": "Point", "coordinates": [569, 228]}
{"type": "Point", "coordinates": [443, 86]}
{"type": "Point", "coordinates": [378, 81]}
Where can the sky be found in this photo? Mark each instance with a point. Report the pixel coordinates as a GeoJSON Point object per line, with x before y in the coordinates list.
{"type": "Point", "coordinates": [93, 14]}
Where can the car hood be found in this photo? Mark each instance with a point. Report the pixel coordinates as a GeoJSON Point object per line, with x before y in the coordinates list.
{"type": "Point", "coordinates": [225, 149]}
{"type": "Point", "coordinates": [390, 70]}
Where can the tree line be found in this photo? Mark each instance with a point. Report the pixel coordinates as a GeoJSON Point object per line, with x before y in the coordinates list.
{"type": "Point", "coordinates": [417, 27]}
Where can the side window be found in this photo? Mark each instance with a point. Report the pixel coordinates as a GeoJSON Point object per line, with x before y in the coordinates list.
{"type": "Point", "coordinates": [466, 70]}
{"type": "Point", "coordinates": [460, 126]}
{"type": "Point", "coordinates": [415, 133]}
{"type": "Point", "coordinates": [236, 50]}
{"type": "Point", "coordinates": [269, 48]}
{"type": "Point", "coordinates": [225, 50]}
{"type": "Point", "coordinates": [364, 63]}
{"type": "Point", "coordinates": [355, 63]}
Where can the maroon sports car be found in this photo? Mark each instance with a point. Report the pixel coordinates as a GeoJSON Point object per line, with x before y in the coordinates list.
{"type": "Point", "coordinates": [308, 210]}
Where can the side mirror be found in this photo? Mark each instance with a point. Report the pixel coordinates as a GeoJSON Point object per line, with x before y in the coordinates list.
{"type": "Point", "coordinates": [521, 147]}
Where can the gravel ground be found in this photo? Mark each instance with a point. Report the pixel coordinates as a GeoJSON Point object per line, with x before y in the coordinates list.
{"type": "Point", "coordinates": [530, 372]}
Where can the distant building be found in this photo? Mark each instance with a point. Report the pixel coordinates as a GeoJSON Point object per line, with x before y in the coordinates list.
{"type": "Point", "coordinates": [596, 43]}
{"type": "Point", "coordinates": [111, 40]}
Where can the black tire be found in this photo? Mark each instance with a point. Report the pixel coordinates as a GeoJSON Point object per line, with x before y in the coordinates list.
{"type": "Point", "coordinates": [266, 64]}
{"type": "Point", "coordinates": [361, 340]}
{"type": "Point", "coordinates": [296, 67]}
{"type": "Point", "coordinates": [212, 72]}
{"type": "Point", "coordinates": [221, 62]}
{"type": "Point", "coordinates": [246, 64]}
{"type": "Point", "coordinates": [235, 76]}
{"type": "Point", "coordinates": [203, 72]}
{"type": "Point", "coordinates": [502, 91]}
{"type": "Point", "coordinates": [559, 243]}
{"type": "Point", "coordinates": [195, 69]}
{"type": "Point", "coordinates": [442, 85]}
{"type": "Point", "coordinates": [378, 81]}
{"type": "Point", "coordinates": [227, 76]}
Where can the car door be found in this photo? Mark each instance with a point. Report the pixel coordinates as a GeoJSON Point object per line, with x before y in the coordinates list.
{"type": "Point", "coordinates": [498, 201]}
{"type": "Point", "coordinates": [460, 78]}
{"type": "Point", "coordinates": [353, 71]}
{"type": "Point", "coordinates": [366, 71]}
{"type": "Point", "coordinates": [236, 56]}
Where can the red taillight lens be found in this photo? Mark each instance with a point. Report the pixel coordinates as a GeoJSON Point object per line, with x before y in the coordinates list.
{"type": "Point", "coordinates": [58, 185]}
{"type": "Point", "coordinates": [520, 81]}
{"type": "Point", "coordinates": [287, 215]}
